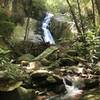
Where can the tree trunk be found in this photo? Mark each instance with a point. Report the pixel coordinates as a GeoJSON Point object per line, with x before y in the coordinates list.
{"type": "Point", "coordinates": [74, 17]}
{"type": "Point", "coordinates": [97, 2]}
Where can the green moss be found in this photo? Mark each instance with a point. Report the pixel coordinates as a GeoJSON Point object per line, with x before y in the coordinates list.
{"type": "Point", "coordinates": [13, 72]}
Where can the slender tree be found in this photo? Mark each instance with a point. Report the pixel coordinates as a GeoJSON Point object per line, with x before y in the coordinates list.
{"type": "Point", "coordinates": [27, 29]}
{"type": "Point", "coordinates": [74, 17]}
{"type": "Point", "coordinates": [93, 7]}
{"type": "Point", "coordinates": [80, 15]}
{"type": "Point", "coordinates": [97, 2]}
{"type": "Point", "coordinates": [28, 14]}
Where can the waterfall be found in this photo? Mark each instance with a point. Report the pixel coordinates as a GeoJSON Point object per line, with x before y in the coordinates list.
{"type": "Point", "coordinates": [72, 90]}
{"type": "Point", "coordinates": [46, 33]}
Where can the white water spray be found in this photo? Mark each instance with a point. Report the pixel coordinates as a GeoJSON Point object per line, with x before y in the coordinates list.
{"type": "Point", "coordinates": [47, 35]}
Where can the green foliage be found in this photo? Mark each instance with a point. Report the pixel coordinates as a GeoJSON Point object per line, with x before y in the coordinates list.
{"type": "Point", "coordinates": [87, 44]}
{"type": "Point", "coordinates": [4, 56]}
{"type": "Point", "coordinates": [54, 6]}
{"type": "Point", "coordinates": [13, 71]}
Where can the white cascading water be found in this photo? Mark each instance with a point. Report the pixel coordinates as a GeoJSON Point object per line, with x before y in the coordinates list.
{"type": "Point", "coordinates": [47, 35]}
{"type": "Point", "coordinates": [71, 90]}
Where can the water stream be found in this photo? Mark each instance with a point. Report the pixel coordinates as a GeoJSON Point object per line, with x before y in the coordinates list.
{"type": "Point", "coordinates": [46, 33]}
{"type": "Point", "coordinates": [70, 90]}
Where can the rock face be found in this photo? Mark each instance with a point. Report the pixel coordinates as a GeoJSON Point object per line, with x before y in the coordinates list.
{"type": "Point", "coordinates": [27, 43]}
{"type": "Point", "coordinates": [60, 28]}
{"type": "Point", "coordinates": [19, 32]}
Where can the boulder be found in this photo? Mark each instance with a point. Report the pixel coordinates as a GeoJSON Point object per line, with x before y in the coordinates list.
{"type": "Point", "coordinates": [26, 57]}
{"type": "Point", "coordinates": [17, 94]}
{"type": "Point", "coordinates": [45, 62]}
{"type": "Point", "coordinates": [60, 28]}
{"type": "Point", "coordinates": [91, 83]}
{"type": "Point", "coordinates": [10, 86]}
{"type": "Point", "coordinates": [67, 62]}
{"type": "Point", "coordinates": [45, 79]}
{"type": "Point", "coordinates": [19, 32]}
{"type": "Point", "coordinates": [11, 77]}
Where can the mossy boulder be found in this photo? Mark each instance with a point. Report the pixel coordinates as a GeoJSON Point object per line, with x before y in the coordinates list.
{"type": "Point", "coordinates": [10, 86]}
{"type": "Point", "coordinates": [11, 77]}
{"type": "Point", "coordinates": [26, 57]}
{"type": "Point", "coordinates": [19, 31]}
{"type": "Point", "coordinates": [17, 94]}
{"type": "Point", "coordinates": [45, 62]}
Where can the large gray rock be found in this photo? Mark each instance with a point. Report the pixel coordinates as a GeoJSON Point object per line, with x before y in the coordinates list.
{"type": "Point", "coordinates": [60, 28]}
{"type": "Point", "coordinates": [19, 32]}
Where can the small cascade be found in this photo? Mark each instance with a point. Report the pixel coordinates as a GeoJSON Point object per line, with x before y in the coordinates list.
{"type": "Point", "coordinates": [47, 35]}
{"type": "Point", "coordinates": [71, 90]}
